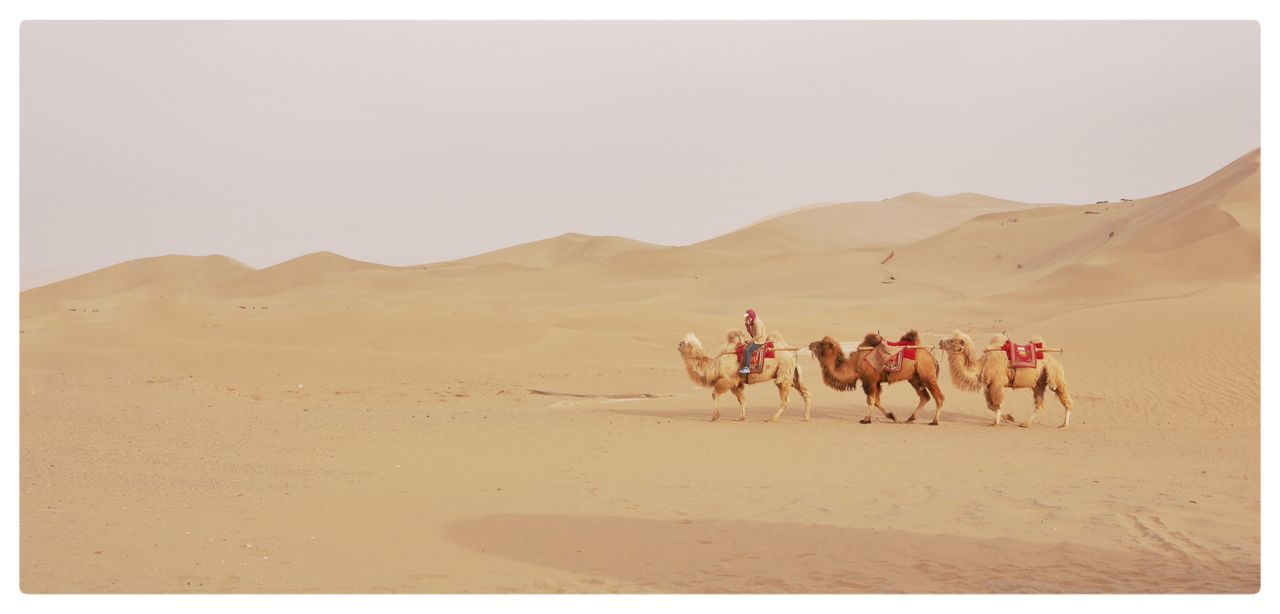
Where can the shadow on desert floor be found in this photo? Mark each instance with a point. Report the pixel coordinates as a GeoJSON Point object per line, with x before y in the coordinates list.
{"type": "Point", "coordinates": [734, 556]}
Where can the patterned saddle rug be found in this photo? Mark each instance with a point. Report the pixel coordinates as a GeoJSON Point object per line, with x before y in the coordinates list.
{"type": "Point", "coordinates": [886, 360]}
{"type": "Point", "coordinates": [1023, 356]}
{"type": "Point", "coordinates": [757, 357]}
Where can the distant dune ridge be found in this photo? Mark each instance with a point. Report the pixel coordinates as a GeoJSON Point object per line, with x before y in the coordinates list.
{"type": "Point", "coordinates": [1175, 236]}
{"type": "Point", "coordinates": [191, 424]}
{"type": "Point", "coordinates": [565, 249]}
{"type": "Point", "coordinates": [893, 221]}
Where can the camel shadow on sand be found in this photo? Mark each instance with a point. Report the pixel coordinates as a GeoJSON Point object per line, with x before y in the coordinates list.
{"type": "Point", "coordinates": [820, 414]}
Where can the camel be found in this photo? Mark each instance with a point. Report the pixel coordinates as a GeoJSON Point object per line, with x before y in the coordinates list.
{"type": "Point", "coordinates": [974, 369]}
{"type": "Point", "coordinates": [719, 371]}
{"type": "Point", "coordinates": [843, 373]}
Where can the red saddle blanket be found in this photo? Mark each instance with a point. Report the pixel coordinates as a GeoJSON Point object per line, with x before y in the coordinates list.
{"type": "Point", "coordinates": [1023, 356]}
{"type": "Point", "coordinates": [757, 357]}
{"type": "Point", "coordinates": [909, 353]}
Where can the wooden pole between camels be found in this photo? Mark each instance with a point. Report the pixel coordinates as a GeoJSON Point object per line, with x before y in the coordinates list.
{"type": "Point", "coordinates": [899, 347]}
{"type": "Point", "coordinates": [1000, 349]}
{"type": "Point", "coordinates": [728, 352]}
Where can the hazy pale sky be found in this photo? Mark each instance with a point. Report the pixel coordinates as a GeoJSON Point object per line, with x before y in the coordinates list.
{"type": "Point", "coordinates": [413, 142]}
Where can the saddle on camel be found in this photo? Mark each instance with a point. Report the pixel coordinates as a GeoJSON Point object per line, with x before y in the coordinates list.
{"type": "Point", "coordinates": [1023, 356]}
{"type": "Point", "coordinates": [884, 359]}
{"type": "Point", "coordinates": [757, 357]}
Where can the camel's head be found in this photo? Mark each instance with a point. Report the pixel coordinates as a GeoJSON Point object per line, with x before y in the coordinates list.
{"type": "Point", "coordinates": [825, 347]}
{"type": "Point", "coordinates": [957, 342]}
{"type": "Point", "coordinates": [689, 342]}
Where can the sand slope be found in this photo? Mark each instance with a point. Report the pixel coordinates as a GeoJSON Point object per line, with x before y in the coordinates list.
{"type": "Point", "coordinates": [893, 221]}
{"type": "Point", "coordinates": [171, 273]}
{"type": "Point", "coordinates": [520, 421]}
{"type": "Point", "coordinates": [564, 249]}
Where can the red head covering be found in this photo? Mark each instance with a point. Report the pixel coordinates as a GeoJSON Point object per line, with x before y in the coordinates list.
{"type": "Point", "coordinates": [751, 315]}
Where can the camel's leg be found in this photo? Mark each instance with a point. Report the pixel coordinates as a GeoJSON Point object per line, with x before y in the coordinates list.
{"type": "Point", "coordinates": [923, 393]}
{"type": "Point", "coordinates": [937, 398]}
{"type": "Point", "coordinates": [740, 393]}
{"type": "Point", "coordinates": [1065, 399]}
{"type": "Point", "coordinates": [867, 388]}
{"type": "Point", "coordinates": [717, 389]}
{"type": "Point", "coordinates": [804, 393]}
{"type": "Point", "coordinates": [742, 403]}
{"type": "Point", "coordinates": [995, 398]}
{"type": "Point", "coordinates": [887, 414]}
{"type": "Point", "coordinates": [784, 395]}
{"type": "Point", "coordinates": [1038, 394]}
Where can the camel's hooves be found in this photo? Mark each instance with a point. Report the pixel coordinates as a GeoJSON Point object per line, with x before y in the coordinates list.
{"type": "Point", "coordinates": [1062, 426]}
{"type": "Point", "coordinates": [1024, 425]}
{"type": "Point", "coordinates": [865, 421]}
{"type": "Point", "coordinates": [771, 420]}
{"type": "Point", "coordinates": [714, 418]}
{"type": "Point", "coordinates": [1008, 417]}
{"type": "Point", "coordinates": [911, 419]}
{"type": "Point", "coordinates": [934, 423]}
{"type": "Point", "coordinates": [892, 418]}
{"type": "Point", "coordinates": [739, 419]}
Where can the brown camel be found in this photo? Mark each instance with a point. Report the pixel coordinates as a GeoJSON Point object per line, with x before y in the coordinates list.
{"type": "Point", "coordinates": [719, 371]}
{"type": "Point", "coordinates": [973, 369]}
{"type": "Point", "coordinates": [843, 373]}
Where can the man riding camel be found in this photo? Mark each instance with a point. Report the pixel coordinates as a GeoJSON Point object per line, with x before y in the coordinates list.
{"type": "Point", "coordinates": [755, 337]}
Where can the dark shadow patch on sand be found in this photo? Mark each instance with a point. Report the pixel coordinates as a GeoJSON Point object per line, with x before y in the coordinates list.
{"type": "Point", "coordinates": [722, 556]}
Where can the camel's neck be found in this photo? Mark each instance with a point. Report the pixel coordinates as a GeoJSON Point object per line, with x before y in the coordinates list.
{"type": "Point", "coordinates": [837, 370]}
{"type": "Point", "coordinates": [702, 369]}
{"type": "Point", "coordinates": [966, 370]}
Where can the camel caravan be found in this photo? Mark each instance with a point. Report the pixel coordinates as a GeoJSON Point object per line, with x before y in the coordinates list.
{"type": "Point", "coordinates": [756, 357]}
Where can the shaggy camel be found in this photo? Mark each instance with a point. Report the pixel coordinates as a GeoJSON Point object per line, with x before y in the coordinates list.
{"type": "Point", "coordinates": [843, 373]}
{"type": "Point", "coordinates": [719, 371]}
{"type": "Point", "coordinates": [974, 369]}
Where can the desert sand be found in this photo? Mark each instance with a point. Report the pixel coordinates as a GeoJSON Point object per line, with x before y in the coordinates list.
{"type": "Point", "coordinates": [520, 421]}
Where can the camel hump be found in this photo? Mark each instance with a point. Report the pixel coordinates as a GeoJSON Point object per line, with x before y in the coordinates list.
{"type": "Point", "coordinates": [871, 340]}
{"type": "Point", "coordinates": [912, 336]}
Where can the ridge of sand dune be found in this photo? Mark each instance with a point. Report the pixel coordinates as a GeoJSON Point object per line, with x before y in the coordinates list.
{"type": "Point", "coordinates": [894, 221]}
{"type": "Point", "coordinates": [556, 251]}
{"type": "Point", "coordinates": [1191, 238]}
{"type": "Point", "coordinates": [173, 273]}
{"type": "Point", "coordinates": [301, 271]}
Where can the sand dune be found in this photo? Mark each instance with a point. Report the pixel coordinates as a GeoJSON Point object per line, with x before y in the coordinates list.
{"type": "Point", "coordinates": [564, 249]}
{"type": "Point", "coordinates": [160, 274]}
{"type": "Point", "coordinates": [520, 420]}
{"type": "Point", "coordinates": [893, 221]}
{"type": "Point", "coordinates": [301, 271]}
